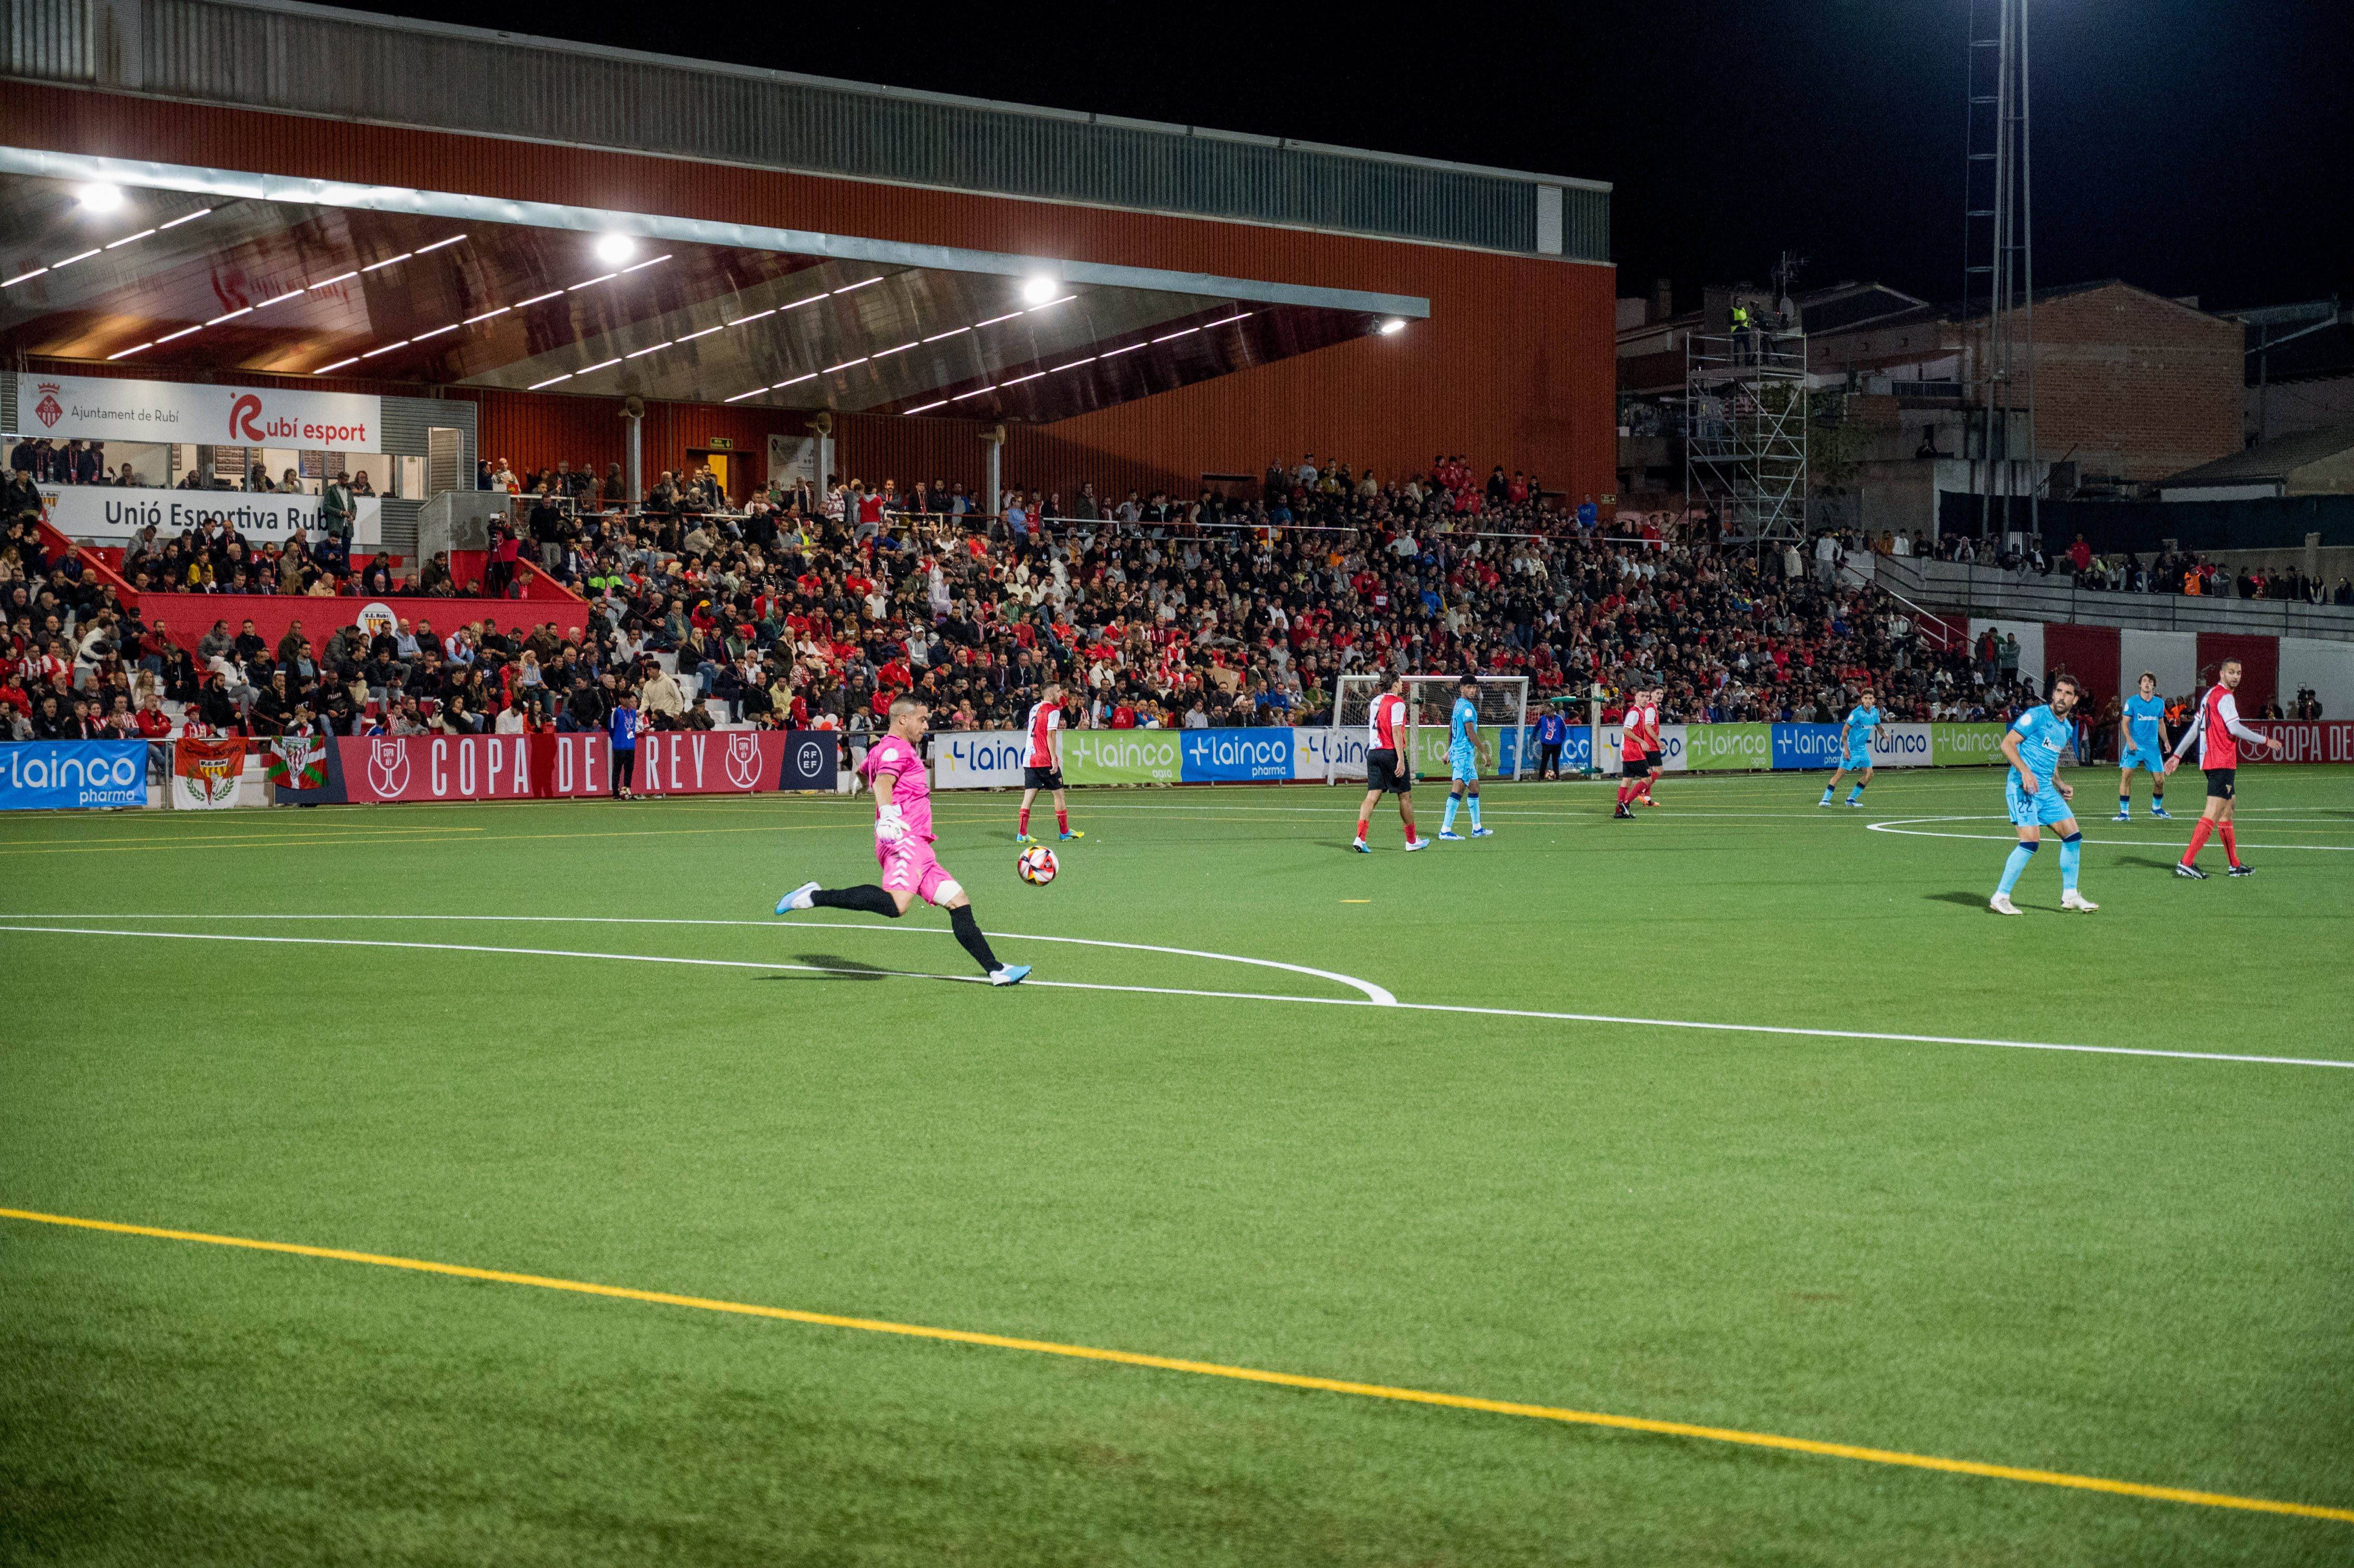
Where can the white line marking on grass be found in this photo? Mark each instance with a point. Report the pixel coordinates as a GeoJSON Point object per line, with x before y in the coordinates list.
{"type": "Point", "coordinates": [1171, 991]}
{"type": "Point", "coordinates": [1905, 826]}
{"type": "Point", "coordinates": [1377, 995]}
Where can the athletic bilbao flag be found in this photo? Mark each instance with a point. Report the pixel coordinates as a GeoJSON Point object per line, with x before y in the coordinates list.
{"type": "Point", "coordinates": [204, 772]}
{"type": "Point", "coordinates": [295, 761]}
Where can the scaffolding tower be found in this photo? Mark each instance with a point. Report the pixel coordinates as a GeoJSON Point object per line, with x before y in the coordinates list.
{"type": "Point", "coordinates": [1999, 267]}
{"type": "Point", "coordinates": [1746, 410]}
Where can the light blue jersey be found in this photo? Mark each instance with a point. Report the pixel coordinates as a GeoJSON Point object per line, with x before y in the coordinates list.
{"type": "Point", "coordinates": [2145, 733]}
{"type": "Point", "coordinates": [1860, 722]}
{"type": "Point", "coordinates": [2042, 736]}
{"type": "Point", "coordinates": [1462, 730]}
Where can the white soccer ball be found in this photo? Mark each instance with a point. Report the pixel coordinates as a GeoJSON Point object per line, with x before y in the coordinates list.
{"type": "Point", "coordinates": [1036, 865]}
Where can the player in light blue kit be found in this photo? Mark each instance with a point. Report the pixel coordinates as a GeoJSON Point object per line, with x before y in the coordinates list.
{"type": "Point", "coordinates": [2037, 799]}
{"type": "Point", "coordinates": [2141, 743]}
{"type": "Point", "coordinates": [1463, 760]}
{"type": "Point", "coordinates": [1855, 749]}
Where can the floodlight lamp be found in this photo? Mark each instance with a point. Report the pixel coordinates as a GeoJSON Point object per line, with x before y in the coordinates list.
{"type": "Point", "coordinates": [101, 197]}
{"type": "Point", "coordinates": [1038, 290]}
{"type": "Point", "coordinates": [1392, 326]}
{"type": "Point", "coordinates": [615, 249]}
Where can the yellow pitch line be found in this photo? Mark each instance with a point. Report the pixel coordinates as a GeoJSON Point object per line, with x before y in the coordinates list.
{"type": "Point", "coordinates": [1240, 1374]}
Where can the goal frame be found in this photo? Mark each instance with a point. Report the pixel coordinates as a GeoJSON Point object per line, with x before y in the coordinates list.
{"type": "Point", "coordinates": [1372, 683]}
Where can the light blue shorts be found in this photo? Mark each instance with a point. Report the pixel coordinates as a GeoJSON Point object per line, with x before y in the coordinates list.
{"type": "Point", "coordinates": [1462, 766]}
{"type": "Point", "coordinates": [2149, 759]}
{"type": "Point", "coordinates": [1856, 761]}
{"type": "Point", "coordinates": [2040, 810]}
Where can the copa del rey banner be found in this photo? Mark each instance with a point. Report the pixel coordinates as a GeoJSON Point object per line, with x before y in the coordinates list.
{"type": "Point", "coordinates": [538, 766]}
{"type": "Point", "coordinates": [89, 407]}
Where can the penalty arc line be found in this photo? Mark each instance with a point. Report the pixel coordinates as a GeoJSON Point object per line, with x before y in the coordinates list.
{"type": "Point", "coordinates": [1729, 1434]}
{"type": "Point", "coordinates": [1782, 1029]}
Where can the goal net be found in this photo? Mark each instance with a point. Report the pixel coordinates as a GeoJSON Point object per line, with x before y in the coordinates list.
{"type": "Point", "coordinates": [1429, 706]}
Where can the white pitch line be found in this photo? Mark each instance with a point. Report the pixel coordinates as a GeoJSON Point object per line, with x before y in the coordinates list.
{"type": "Point", "coordinates": [1378, 995]}
{"type": "Point", "coordinates": [1903, 827]}
{"type": "Point", "coordinates": [1220, 995]}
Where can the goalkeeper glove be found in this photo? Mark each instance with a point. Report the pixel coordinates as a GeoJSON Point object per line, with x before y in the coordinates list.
{"type": "Point", "coordinates": [888, 825]}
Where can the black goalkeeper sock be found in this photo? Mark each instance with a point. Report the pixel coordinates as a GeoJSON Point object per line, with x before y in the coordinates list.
{"type": "Point", "coordinates": [968, 932]}
{"type": "Point", "coordinates": [867, 899]}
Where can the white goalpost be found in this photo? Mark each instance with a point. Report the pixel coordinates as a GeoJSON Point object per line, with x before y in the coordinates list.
{"type": "Point", "coordinates": [1503, 702]}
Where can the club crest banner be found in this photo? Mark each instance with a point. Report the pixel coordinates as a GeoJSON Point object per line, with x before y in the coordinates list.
{"type": "Point", "coordinates": [204, 772]}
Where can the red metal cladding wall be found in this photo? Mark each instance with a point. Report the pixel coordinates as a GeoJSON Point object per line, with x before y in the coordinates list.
{"type": "Point", "coordinates": [2089, 653]}
{"type": "Point", "coordinates": [2259, 660]}
{"type": "Point", "coordinates": [1515, 367]}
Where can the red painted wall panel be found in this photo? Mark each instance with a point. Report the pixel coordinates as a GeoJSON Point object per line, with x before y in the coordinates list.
{"type": "Point", "coordinates": [1516, 365]}
{"type": "Point", "coordinates": [2260, 660]}
{"type": "Point", "coordinates": [2088, 652]}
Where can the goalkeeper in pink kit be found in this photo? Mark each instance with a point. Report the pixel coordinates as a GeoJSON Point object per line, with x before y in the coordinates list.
{"type": "Point", "coordinates": [902, 847]}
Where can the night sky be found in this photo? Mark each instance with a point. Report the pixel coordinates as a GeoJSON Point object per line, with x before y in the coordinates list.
{"type": "Point", "coordinates": [2193, 148]}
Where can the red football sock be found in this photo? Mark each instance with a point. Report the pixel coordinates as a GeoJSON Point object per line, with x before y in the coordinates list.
{"type": "Point", "coordinates": [2198, 840]}
{"type": "Point", "coordinates": [1362, 826]}
{"type": "Point", "coordinates": [1025, 821]}
{"type": "Point", "coordinates": [1622, 794]}
{"type": "Point", "coordinates": [1409, 832]}
{"type": "Point", "coordinates": [2231, 845]}
{"type": "Point", "coordinates": [1062, 821]}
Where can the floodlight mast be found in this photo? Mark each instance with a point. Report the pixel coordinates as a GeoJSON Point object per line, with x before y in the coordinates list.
{"type": "Point", "coordinates": [1998, 268]}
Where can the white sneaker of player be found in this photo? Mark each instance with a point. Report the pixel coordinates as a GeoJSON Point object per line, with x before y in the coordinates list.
{"type": "Point", "coordinates": [2072, 899]}
{"type": "Point", "coordinates": [2001, 905]}
{"type": "Point", "coordinates": [1415, 844]}
{"type": "Point", "coordinates": [798, 898]}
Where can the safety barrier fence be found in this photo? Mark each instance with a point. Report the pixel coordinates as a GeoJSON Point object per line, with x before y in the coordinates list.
{"type": "Point", "coordinates": [232, 771]}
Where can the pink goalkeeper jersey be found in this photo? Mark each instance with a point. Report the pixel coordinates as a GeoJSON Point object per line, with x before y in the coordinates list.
{"type": "Point", "coordinates": [910, 790]}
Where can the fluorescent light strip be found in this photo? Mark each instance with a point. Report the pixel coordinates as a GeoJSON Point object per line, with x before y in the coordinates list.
{"type": "Point", "coordinates": [848, 288]}
{"type": "Point", "coordinates": [1173, 336]}
{"type": "Point", "coordinates": [189, 219]}
{"type": "Point", "coordinates": [796, 304]}
{"type": "Point", "coordinates": [290, 294]}
{"type": "Point", "coordinates": [21, 277]}
{"type": "Point", "coordinates": [536, 299]}
{"type": "Point", "coordinates": [129, 352]}
{"type": "Point", "coordinates": [1075, 365]}
{"type": "Point", "coordinates": [129, 238]}
{"type": "Point", "coordinates": [941, 404]}
{"type": "Point", "coordinates": [1229, 320]}
{"type": "Point", "coordinates": [846, 365]}
{"type": "Point", "coordinates": [230, 317]}
{"type": "Point", "coordinates": [944, 336]}
{"type": "Point", "coordinates": [902, 348]}
{"type": "Point", "coordinates": [707, 332]}
{"type": "Point", "coordinates": [437, 331]}
{"type": "Point", "coordinates": [747, 320]}
{"type": "Point", "coordinates": [550, 382]}
{"type": "Point", "coordinates": [71, 260]}
{"type": "Point", "coordinates": [975, 393]}
{"type": "Point", "coordinates": [643, 352]}
{"type": "Point", "coordinates": [1050, 304]}
{"type": "Point", "coordinates": [388, 348]}
{"type": "Point", "coordinates": [586, 283]}
{"type": "Point", "coordinates": [754, 392]}
{"type": "Point", "coordinates": [601, 364]}
{"type": "Point", "coordinates": [438, 244]}
{"type": "Point", "coordinates": [387, 262]}
{"type": "Point", "coordinates": [994, 320]}
{"type": "Point", "coordinates": [1020, 379]}
{"type": "Point", "coordinates": [337, 365]}
{"type": "Point", "coordinates": [486, 316]}
{"type": "Point", "coordinates": [1110, 353]}
{"type": "Point", "coordinates": [332, 282]}
{"type": "Point", "coordinates": [794, 382]}
{"type": "Point", "coordinates": [181, 332]}
{"type": "Point", "coordinates": [643, 265]}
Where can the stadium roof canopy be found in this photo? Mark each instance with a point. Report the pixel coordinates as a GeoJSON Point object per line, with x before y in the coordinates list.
{"type": "Point", "coordinates": [202, 269]}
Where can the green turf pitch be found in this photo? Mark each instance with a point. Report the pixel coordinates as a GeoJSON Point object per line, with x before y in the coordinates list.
{"type": "Point", "coordinates": [2127, 1266]}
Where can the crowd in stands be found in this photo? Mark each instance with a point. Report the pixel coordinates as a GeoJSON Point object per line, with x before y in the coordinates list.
{"type": "Point", "coordinates": [812, 608]}
{"type": "Point", "coordinates": [2123, 571]}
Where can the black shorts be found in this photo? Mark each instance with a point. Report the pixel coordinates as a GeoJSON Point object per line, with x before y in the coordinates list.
{"type": "Point", "coordinates": [1637, 767]}
{"type": "Point", "coordinates": [2219, 782]}
{"type": "Point", "coordinates": [1384, 775]}
{"type": "Point", "coordinates": [1042, 778]}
